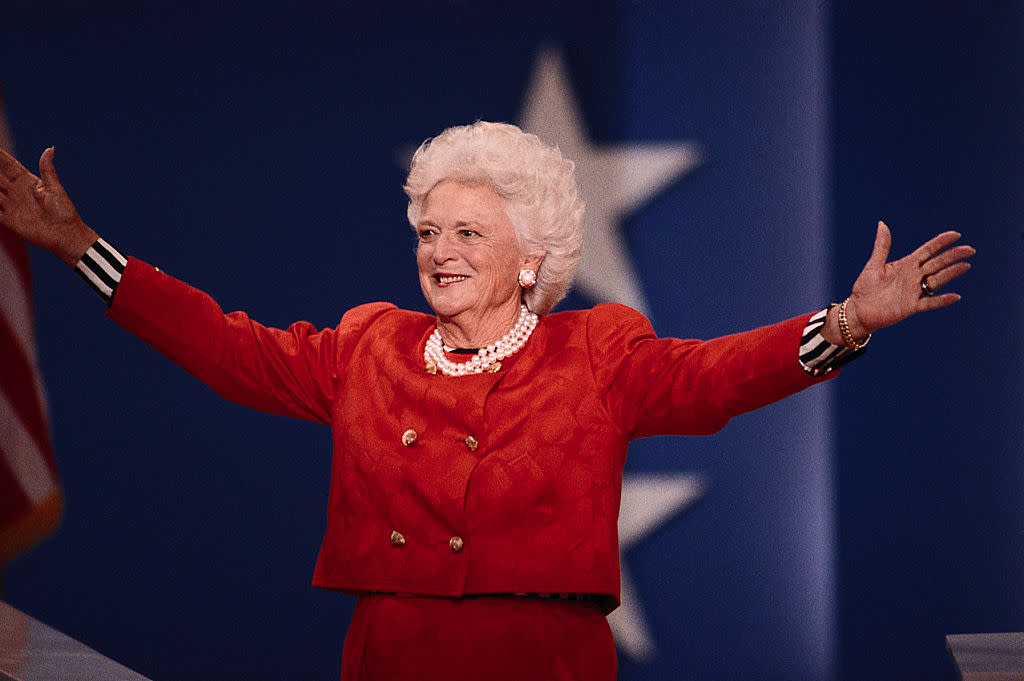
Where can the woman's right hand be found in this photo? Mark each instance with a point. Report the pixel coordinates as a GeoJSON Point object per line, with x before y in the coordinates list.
{"type": "Point", "coordinates": [39, 210]}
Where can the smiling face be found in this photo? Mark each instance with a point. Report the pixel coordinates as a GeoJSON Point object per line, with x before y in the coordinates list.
{"type": "Point", "coordinates": [469, 261]}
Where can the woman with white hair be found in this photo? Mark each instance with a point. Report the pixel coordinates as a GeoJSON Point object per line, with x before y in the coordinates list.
{"type": "Point", "coordinates": [478, 451]}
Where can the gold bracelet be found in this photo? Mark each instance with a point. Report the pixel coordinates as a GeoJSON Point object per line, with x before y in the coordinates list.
{"type": "Point", "coordinates": [844, 328]}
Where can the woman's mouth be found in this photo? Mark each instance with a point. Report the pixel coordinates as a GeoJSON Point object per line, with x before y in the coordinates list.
{"type": "Point", "coordinates": [445, 279]}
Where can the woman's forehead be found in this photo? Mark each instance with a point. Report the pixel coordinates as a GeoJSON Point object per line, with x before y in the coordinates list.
{"type": "Point", "coordinates": [450, 199]}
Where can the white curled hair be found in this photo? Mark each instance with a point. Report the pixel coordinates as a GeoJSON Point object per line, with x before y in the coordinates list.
{"type": "Point", "coordinates": [536, 182]}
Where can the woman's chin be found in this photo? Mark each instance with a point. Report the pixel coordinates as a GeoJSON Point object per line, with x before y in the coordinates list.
{"type": "Point", "coordinates": [446, 308]}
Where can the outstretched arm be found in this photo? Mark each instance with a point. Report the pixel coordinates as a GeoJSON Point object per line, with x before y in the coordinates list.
{"type": "Point", "coordinates": [888, 292]}
{"type": "Point", "coordinates": [288, 372]}
{"type": "Point", "coordinates": [39, 210]}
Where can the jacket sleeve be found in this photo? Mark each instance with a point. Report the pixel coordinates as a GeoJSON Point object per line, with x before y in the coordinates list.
{"type": "Point", "coordinates": [669, 386]}
{"type": "Point", "coordinates": [282, 371]}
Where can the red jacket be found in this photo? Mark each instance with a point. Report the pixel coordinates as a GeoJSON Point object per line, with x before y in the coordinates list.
{"type": "Point", "coordinates": [492, 483]}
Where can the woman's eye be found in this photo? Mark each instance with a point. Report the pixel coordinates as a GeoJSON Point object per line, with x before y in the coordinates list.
{"type": "Point", "coordinates": [467, 233]}
{"type": "Point", "coordinates": [426, 234]}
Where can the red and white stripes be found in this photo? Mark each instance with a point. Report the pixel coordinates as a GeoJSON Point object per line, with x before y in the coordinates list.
{"type": "Point", "coordinates": [30, 496]}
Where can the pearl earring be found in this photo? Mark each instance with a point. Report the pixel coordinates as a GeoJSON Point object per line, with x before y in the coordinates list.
{"type": "Point", "coordinates": [527, 278]}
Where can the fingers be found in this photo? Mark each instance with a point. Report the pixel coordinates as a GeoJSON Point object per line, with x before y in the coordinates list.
{"type": "Point", "coordinates": [940, 265]}
{"type": "Point", "coordinates": [936, 244]}
{"type": "Point", "coordinates": [946, 258]}
{"type": "Point", "coordinates": [936, 262]}
{"type": "Point", "coordinates": [939, 279]}
{"type": "Point", "coordinates": [937, 301]}
{"type": "Point", "coordinates": [10, 169]}
{"type": "Point", "coordinates": [883, 241]}
{"type": "Point", "coordinates": [47, 172]}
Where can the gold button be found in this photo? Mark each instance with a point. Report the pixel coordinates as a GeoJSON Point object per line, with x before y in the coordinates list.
{"type": "Point", "coordinates": [456, 543]}
{"type": "Point", "coordinates": [397, 539]}
{"type": "Point", "coordinates": [409, 437]}
{"type": "Point", "coordinates": [471, 443]}
{"type": "Point", "coordinates": [430, 368]}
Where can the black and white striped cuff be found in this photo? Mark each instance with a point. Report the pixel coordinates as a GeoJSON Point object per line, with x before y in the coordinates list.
{"type": "Point", "coordinates": [817, 355]}
{"type": "Point", "coordinates": [102, 266]}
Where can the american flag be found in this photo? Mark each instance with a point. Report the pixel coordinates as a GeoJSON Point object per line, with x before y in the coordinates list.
{"type": "Point", "coordinates": [30, 496]}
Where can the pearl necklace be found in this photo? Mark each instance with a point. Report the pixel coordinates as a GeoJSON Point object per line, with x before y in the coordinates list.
{"type": "Point", "coordinates": [486, 359]}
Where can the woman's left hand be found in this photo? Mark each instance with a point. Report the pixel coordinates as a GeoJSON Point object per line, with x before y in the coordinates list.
{"type": "Point", "coordinates": [889, 292]}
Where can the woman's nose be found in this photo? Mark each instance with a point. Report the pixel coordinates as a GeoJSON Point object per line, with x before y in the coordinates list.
{"type": "Point", "coordinates": [443, 248]}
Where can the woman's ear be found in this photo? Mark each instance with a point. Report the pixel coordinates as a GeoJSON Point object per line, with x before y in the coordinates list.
{"type": "Point", "coordinates": [533, 263]}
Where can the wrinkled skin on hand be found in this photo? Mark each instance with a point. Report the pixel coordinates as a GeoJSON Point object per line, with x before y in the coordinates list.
{"type": "Point", "coordinates": [37, 209]}
{"type": "Point", "coordinates": [888, 292]}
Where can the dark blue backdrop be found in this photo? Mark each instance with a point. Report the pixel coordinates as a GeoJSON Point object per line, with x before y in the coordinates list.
{"type": "Point", "coordinates": [254, 154]}
{"type": "Point", "coordinates": [928, 115]}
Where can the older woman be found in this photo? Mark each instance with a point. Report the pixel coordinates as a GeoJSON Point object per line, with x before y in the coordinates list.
{"type": "Point", "coordinates": [478, 452]}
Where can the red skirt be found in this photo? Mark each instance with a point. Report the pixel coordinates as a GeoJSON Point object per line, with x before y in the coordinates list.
{"type": "Point", "coordinates": [423, 638]}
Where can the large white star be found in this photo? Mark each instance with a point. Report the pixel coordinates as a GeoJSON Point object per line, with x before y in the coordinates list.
{"type": "Point", "coordinates": [647, 502]}
{"type": "Point", "coordinates": [614, 181]}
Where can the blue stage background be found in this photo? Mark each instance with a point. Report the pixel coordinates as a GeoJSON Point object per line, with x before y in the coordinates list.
{"type": "Point", "coordinates": [256, 155]}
